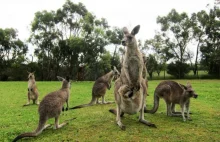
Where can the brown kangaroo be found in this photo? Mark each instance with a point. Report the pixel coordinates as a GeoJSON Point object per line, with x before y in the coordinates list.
{"type": "Point", "coordinates": [130, 88]}
{"type": "Point", "coordinates": [50, 107]}
{"type": "Point", "coordinates": [32, 89]}
{"type": "Point", "coordinates": [99, 88]}
{"type": "Point", "coordinates": [173, 93]}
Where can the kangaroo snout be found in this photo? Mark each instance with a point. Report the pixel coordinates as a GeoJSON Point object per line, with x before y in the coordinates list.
{"type": "Point", "coordinates": [195, 96]}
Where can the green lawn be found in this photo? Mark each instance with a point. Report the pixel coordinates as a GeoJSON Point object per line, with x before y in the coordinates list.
{"type": "Point", "coordinates": [97, 124]}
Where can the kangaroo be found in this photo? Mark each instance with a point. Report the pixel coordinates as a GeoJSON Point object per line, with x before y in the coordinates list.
{"type": "Point", "coordinates": [173, 93]}
{"type": "Point", "coordinates": [99, 88]}
{"type": "Point", "coordinates": [32, 90]}
{"type": "Point", "coordinates": [144, 73]}
{"type": "Point", "coordinates": [50, 107]}
{"type": "Point", "coordinates": [130, 87]}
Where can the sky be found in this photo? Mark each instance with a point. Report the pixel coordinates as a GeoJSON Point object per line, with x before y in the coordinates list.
{"type": "Point", "coordinates": [19, 14]}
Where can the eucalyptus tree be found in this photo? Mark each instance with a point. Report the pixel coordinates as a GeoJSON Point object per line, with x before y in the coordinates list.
{"type": "Point", "coordinates": [115, 37]}
{"type": "Point", "coordinates": [69, 21]}
{"type": "Point", "coordinates": [95, 42]}
{"type": "Point", "coordinates": [211, 46]}
{"type": "Point", "coordinates": [44, 36]}
{"type": "Point", "coordinates": [199, 21]}
{"type": "Point", "coordinates": [12, 51]}
{"type": "Point", "coordinates": [151, 65]}
{"type": "Point", "coordinates": [162, 51]}
{"type": "Point", "coordinates": [177, 29]}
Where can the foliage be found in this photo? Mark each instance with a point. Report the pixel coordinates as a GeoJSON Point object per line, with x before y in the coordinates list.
{"type": "Point", "coordinates": [72, 36]}
{"type": "Point", "coordinates": [210, 47]}
{"type": "Point", "coordinates": [151, 65]}
{"type": "Point", "coordinates": [12, 54]}
{"type": "Point", "coordinates": [178, 69]}
{"type": "Point", "coordinates": [177, 26]}
{"type": "Point", "coordinates": [69, 37]}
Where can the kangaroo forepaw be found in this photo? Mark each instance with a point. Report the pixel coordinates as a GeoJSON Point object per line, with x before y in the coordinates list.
{"type": "Point", "coordinates": [67, 108]}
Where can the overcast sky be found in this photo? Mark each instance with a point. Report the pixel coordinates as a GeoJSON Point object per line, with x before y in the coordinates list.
{"type": "Point", "coordinates": [18, 14]}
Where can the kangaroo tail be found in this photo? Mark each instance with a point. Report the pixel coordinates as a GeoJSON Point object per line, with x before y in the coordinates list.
{"type": "Point", "coordinates": [92, 102]}
{"type": "Point", "coordinates": [39, 129]}
{"type": "Point", "coordinates": [156, 105]}
{"type": "Point", "coordinates": [114, 111]}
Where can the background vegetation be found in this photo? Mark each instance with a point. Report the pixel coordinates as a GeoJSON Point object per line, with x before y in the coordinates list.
{"type": "Point", "coordinates": [72, 41]}
{"type": "Point", "coordinates": [97, 124]}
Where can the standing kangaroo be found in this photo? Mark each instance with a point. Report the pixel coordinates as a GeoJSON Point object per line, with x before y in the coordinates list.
{"type": "Point", "coordinates": [99, 88]}
{"type": "Point", "coordinates": [130, 88]}
{"type": "Point", "coordinates": [32, 90]}
{"type": "Point", "coordinates": [173, 93]}
{"type": "Point", "coordinates": [50, 107]}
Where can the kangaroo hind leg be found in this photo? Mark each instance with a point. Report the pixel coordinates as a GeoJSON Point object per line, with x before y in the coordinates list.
{"type": "Point", "coordinates": [57, 125]}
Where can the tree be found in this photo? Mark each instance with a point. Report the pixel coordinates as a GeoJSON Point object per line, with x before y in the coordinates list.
{"type": "Point", "coordinates": [198, 24]}
{"type": "Point", "coordinates": [44, 35]}
{"type": "Point", "coordinates": [151, 65]}
{"type": "Point", "coordinates": [179, 29]}
{"type": "Point", "coordinates": [178, 69]}
{"type": "Point", "coordinates": [162, 50]}
{"type": "Point", "coordinates": [12, 52]}
{"type": "Point", "coordinates": [115, 37]}
{"type": "Point", "coordinates": [211, 46]}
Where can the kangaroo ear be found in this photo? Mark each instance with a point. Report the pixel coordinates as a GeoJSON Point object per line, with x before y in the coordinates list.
{"type": "Point", "coordinates": [60, 78]}
{"type": "Point", "coordinates": [125, 30]}
{"type": "Point", "coordinates": [28, 72]}
{"type": "Point", "coordinates": [188, 84]}
{"type": "Point", "coordinates": [115, 68]}
{"type": "Point", "coordinates": [135, 30]}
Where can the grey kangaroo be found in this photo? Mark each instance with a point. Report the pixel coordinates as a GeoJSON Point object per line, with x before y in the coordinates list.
{"type": "Point", "coordinates": [51, 107]}
{"type": "Point", "coordinates": [173, 93]}
{"type": "Point", "coordinates": [130, 87]}
{"type": "Point", "coordinates": [32, 89]}
{"type": "Point", "coordinates": [99, 88]}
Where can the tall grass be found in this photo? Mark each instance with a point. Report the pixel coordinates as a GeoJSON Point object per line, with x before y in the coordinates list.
{"type": "Point", "coordinates": [97, 124]}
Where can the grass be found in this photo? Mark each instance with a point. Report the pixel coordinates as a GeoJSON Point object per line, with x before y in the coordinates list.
{"type": "Point", "coordinates": [202, 74]}
{"type": "Point", "coordinates": [97, 124]}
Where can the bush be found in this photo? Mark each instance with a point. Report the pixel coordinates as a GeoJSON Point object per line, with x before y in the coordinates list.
{"type": "Point", "coordinates": [178, 69]}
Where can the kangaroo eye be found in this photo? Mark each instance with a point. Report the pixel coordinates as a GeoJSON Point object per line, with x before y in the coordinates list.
{"type": "Point", "coordinates": [130, 37]}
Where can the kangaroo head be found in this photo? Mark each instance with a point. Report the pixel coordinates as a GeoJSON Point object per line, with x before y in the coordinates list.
{"type": "Point", "coordinates": [66, 82]}
{"type": "Point", "coordinates": [190, 91]}
{"type": "Point", "coordinates": [144, 58]}
{"type": "Point", "coordinates": [31, 75]}
{"type": "Point", "coordinates": [115, 71]}
{"type": "Point", "coordinates": [129, 38]}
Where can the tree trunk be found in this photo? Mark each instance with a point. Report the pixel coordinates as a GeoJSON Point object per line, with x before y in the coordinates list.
{"type": "Point", "coordinates": [196, 62]}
